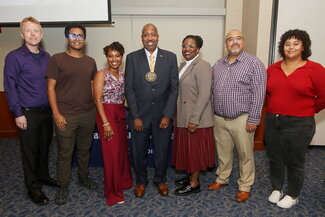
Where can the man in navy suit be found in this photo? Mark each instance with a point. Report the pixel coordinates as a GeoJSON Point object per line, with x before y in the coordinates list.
{"type": "Point", "coordinates": [151, 89]}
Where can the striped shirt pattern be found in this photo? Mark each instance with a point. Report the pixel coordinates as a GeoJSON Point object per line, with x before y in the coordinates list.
{"type": "Point", "coordinates": [239, 87]}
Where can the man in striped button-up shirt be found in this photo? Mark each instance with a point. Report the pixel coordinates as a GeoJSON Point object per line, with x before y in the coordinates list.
{"type": "Point", "coordinates": [238, 91]}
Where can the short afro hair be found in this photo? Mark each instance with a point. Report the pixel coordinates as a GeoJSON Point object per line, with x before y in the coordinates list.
{"type": "Point", "coordinates": [198, 40]}
{"type": "Point", "coordinates": [300, 35]}
{"type": "Point", "coordinates": [74, 25]}
{"type": "Point", "coordinates": [114, 46]}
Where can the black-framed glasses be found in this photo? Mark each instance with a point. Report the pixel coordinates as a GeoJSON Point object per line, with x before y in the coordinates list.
{"type": "Point", "coordinates": [76, 36]}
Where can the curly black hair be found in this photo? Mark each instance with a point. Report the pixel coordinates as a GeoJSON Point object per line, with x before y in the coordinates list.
{"type": "Point", "coordinates": [300, 35]}
{"type": "Point", "coordinates": [114, 46]}
{"type": "Point", "coordinates": [74, 25]}
{"type": "Point", "coordinates": [198, 40]}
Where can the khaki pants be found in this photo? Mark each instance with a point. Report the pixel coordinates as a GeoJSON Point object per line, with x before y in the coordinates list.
{"type": "Point", "coordinates": [78, 132]}
{"type": "Point", "coordinates": [230, 134]}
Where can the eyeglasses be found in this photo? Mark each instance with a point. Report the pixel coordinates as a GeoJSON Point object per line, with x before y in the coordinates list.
{"type": "Point", "coordinates": [77, 36]}
{"type": "Point", "coordinates": [191, 46]}
{"type": "Point", "coordinates": [237, 38]}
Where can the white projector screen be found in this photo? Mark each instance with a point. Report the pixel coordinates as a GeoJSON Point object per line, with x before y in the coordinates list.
{"type": "Point", "coordinates": [55, 12]}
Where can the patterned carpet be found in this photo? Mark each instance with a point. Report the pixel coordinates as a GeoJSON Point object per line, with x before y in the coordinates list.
{"type": "Point", "coordinates": [82, 202]}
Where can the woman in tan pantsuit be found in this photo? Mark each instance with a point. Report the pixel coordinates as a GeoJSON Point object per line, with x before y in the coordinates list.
{"type": "Point", "coordinates": [193, 148]}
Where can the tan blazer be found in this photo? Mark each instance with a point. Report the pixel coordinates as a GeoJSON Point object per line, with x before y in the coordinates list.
{"type": "Point", "coordinates": [194, 97]}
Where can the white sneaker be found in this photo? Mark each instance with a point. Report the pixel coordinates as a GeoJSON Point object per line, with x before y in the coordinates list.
{"type": "Point", "coordinates": [287, 202]}
{"type": "Point", "coordinates": [275, 196]}
{"type": "Point", "coordinates": [121, 202]}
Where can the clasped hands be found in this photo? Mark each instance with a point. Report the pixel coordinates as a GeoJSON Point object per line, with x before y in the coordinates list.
{"type": "Point", "coordinates": [138, 125]}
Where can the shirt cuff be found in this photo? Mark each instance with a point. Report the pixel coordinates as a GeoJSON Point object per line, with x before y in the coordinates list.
{"type": "Point", "coordinates": [253, 120]}
{"type": "Point", "coordinates": [18, 113]}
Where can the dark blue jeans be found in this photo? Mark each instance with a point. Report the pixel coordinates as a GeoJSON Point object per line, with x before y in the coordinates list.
{"type": "Point", "coordinates": [287, 139]}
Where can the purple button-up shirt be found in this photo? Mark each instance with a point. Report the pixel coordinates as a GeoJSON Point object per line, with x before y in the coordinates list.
{"type": "Point", "coordinates": [24, 80]}
{"type": "Point", "coordinates": [239, 87]}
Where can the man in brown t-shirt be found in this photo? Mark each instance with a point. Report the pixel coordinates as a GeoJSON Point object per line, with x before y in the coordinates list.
{"type": "Point", "coordinates": [69, 81]}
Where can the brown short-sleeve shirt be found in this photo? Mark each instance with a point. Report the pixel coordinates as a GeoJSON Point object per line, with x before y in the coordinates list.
{"type": "Point", "coordinates": [73, 82]}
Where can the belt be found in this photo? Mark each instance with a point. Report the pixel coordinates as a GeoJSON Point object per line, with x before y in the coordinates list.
{"type": "Point", "coordinates": [229, 119]}
{"type": "Point", "coordinates": [226, 119]}
{"type": "Point", "coordinates": [37, 109]}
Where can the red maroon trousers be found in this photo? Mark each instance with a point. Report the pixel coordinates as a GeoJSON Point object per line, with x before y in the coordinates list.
{"type": "Point", "coordinates": [117, 171]}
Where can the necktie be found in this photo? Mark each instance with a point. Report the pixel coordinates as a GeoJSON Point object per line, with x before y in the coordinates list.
{"type": "Point", "coordinates": [152, 62]}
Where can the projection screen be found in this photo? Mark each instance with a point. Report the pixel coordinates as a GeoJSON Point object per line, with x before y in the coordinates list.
{"type": "Point", "coordinates": [55, 12]}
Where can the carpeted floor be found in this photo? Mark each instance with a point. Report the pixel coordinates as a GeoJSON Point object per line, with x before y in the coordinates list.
{"type": "Point", "coordinates": [82, 202]}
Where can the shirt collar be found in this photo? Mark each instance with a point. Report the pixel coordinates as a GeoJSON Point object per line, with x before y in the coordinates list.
{"type": "Point", "coordinates": [26, 51]}
{"type": "Point", "coordinates": [154, 53]}
{"type": "Point", "coordinates": [190, 61]}
{"type": "Point", "coordinates": [240, 57]}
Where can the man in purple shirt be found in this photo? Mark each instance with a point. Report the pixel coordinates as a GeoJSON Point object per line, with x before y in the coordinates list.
{"type": "Point", "coordinates": [238, 91]}
{"type": "Point", "coordinates": [25, 86]}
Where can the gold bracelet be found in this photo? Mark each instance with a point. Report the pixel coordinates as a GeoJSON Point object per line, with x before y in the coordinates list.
{"type": "Point", "coordinates": [106, 124]}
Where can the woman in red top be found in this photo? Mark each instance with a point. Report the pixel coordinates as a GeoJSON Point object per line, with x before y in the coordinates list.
{"type": "Point", "coordinates": [295, 92]}
{"type": "Point", "coordinates": [111, 125]}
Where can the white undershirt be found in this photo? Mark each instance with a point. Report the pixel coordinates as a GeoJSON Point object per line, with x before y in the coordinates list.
{"type": "Point", "coordinates": [187, 64]}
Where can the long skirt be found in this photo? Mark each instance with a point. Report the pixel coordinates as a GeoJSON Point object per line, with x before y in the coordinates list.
{"type": "Point", "coordinates": [117, 171]}
{"type": "Point", "coordinates": [193, 151]}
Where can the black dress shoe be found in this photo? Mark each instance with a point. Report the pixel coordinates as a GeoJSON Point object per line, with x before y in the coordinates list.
{"type": "Point", "coordinates": [187, 190]}
{"type": "Point", "coordinates": [50, 182]}
{"type": "Point", "coordinates": [183, 181]}
{"type": "Point", "coordinates": [38, 197]}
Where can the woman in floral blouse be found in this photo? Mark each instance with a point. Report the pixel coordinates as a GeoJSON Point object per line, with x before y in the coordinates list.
{"type": "Point", "coordinates": [111, 124]}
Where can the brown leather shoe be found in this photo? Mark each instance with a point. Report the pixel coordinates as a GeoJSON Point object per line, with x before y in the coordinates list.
{"type": "Point", "coordinates": [215, 186]}
{"type": "Point", "coordinates": [139, 190]}
{"type": "Point", "coordinates": [242, 196]}
{"type": "Point", "coordinates": [162, 189]}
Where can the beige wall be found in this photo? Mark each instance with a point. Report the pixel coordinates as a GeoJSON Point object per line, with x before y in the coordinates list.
{"type": "Point", "coordinates": [234, 15]}
{"type": "Point", "coordinates": [253, 18]}
{"type": "Point", "coordinates": [256, 27]}
{"type": "Point", "coordinates": [264, 30]}
{"type": "Point", "coordinates": [205, 18]}
{"type": "Point", "coordinates": [250, 24]}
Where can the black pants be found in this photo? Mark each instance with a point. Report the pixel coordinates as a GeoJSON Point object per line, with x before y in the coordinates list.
{"type": "Point", "coordinates": [35, 141]}
{"type": "Point", "coordinates": [287, 139]}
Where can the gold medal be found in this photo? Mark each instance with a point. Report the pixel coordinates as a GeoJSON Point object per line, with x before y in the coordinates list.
{"type": "Point", "coordinates": [151, 76]}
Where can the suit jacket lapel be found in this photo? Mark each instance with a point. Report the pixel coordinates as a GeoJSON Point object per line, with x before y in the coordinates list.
{"type": "Point", "coordinates": [144, 61]}
{"type": "Point", "coordinates": [189, 68]}
{"type": "Point", "coordinates": [159, 61]}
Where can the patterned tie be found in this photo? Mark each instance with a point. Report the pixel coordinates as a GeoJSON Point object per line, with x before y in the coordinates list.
{"type": "Point", "coordinates": [152, 63]}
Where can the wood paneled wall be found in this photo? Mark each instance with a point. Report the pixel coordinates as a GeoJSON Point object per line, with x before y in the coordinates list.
{"type": "Point", "coordinates": [259, 134]}
{"type": "Point", "coordinates": [8, 127]}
